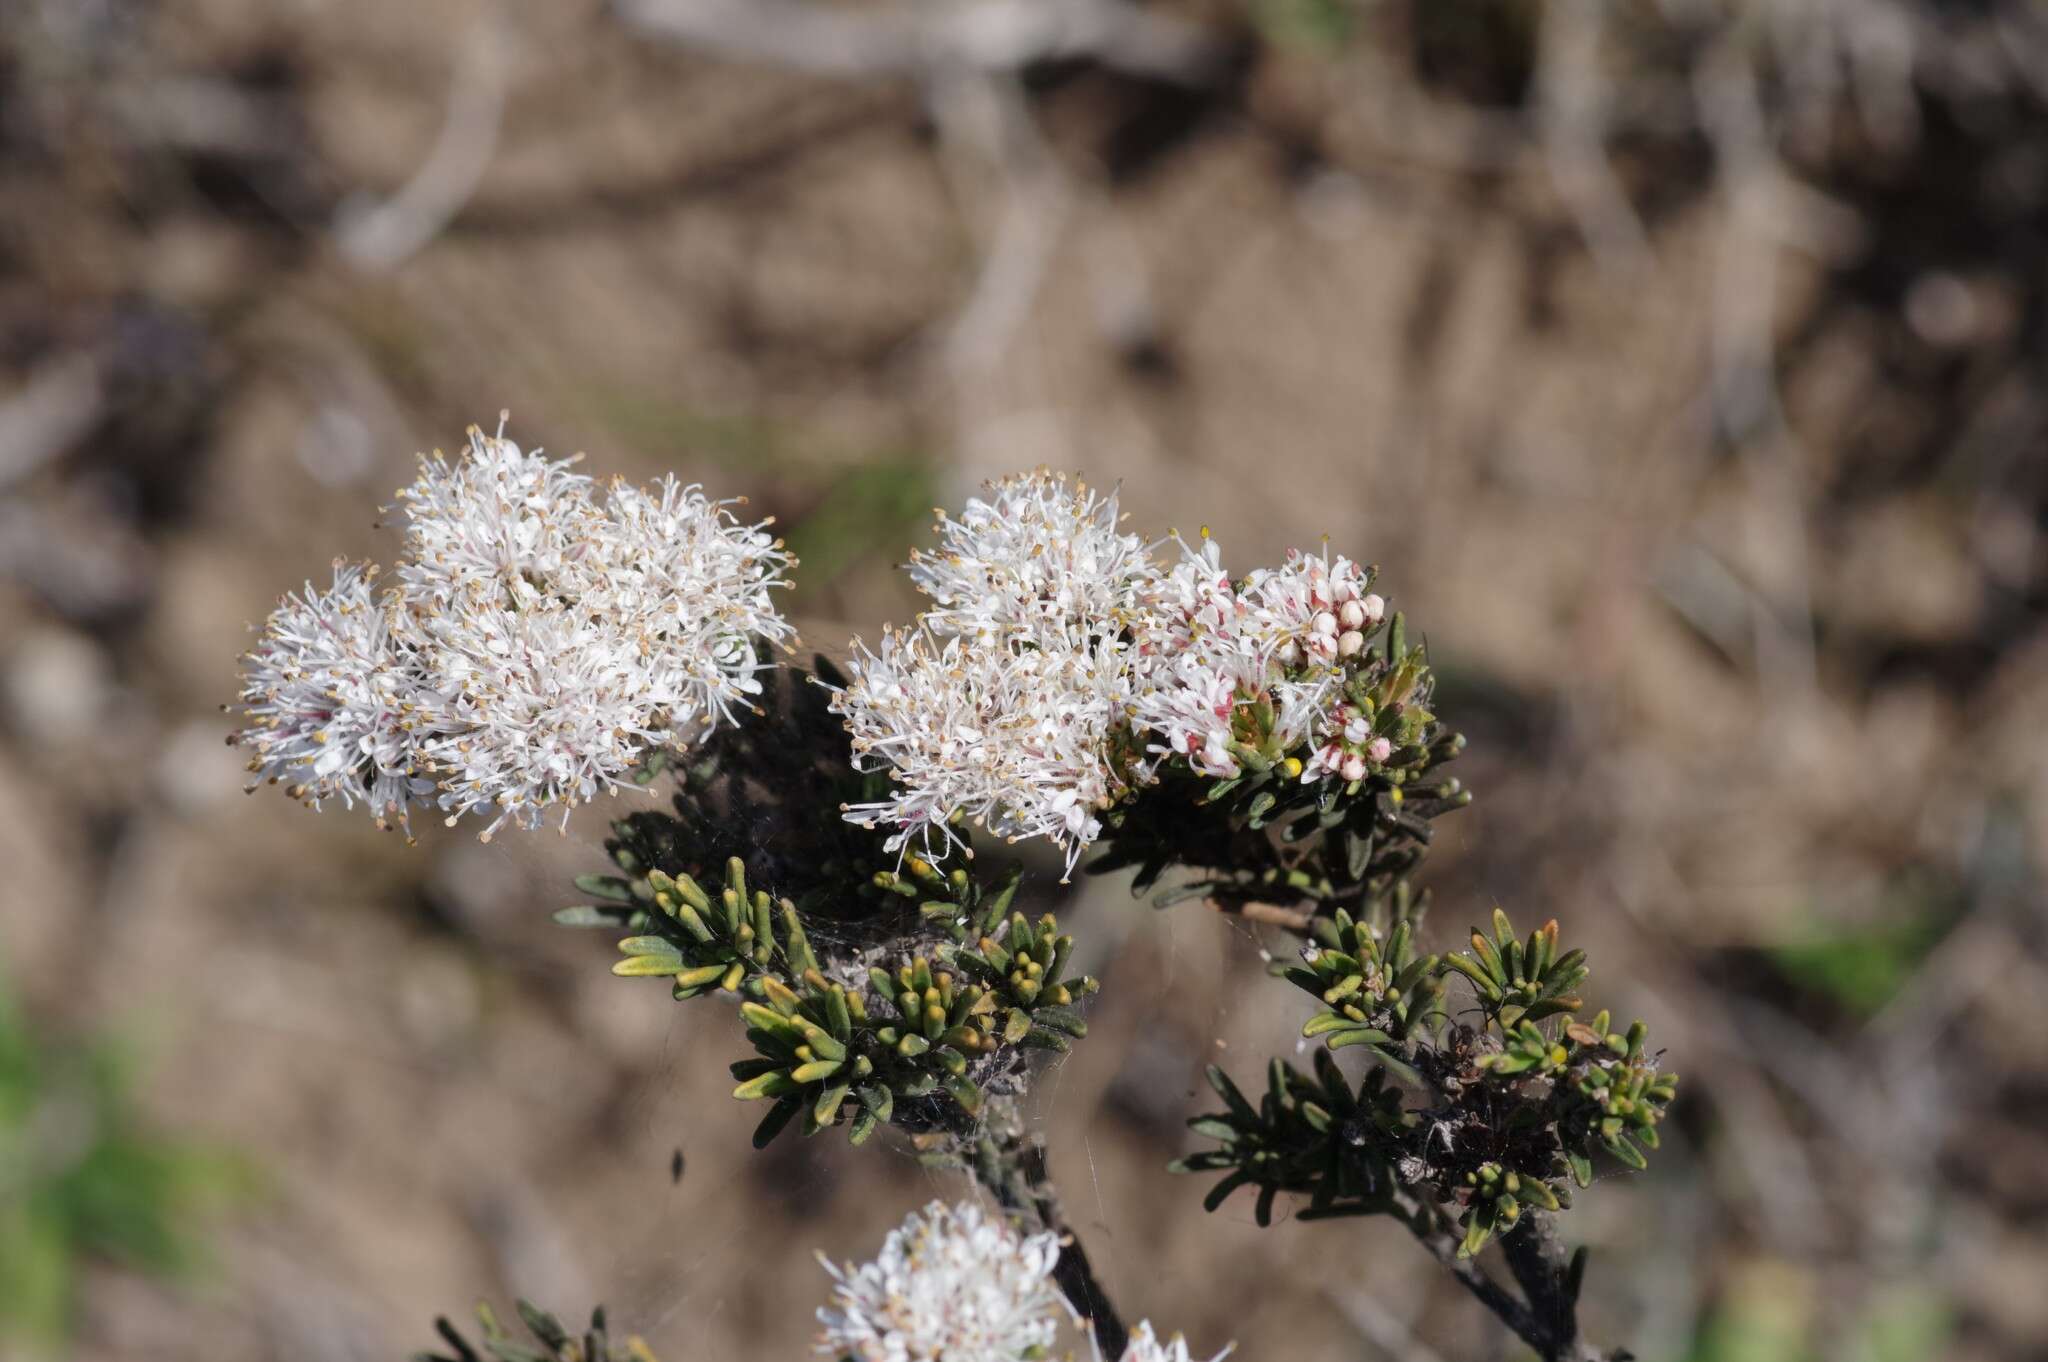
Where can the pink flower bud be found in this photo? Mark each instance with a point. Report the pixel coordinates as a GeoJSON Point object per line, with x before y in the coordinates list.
{"type": "Point", "coordinates": [1352, 615]}
{"type": "Point", "coordinates": [1325, 622]}
{"type": "Point", "coordinates": [1350, 643]}
{"type": "Point", "coordinates": [1375, 608]}
{"type": "Point", "coordinates": [1353, 768]}
{"type": "Point", "coordinates": [1379, 749]}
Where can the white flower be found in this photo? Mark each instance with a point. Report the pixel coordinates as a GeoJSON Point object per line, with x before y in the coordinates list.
{"type": "Point", "coordinates": [497, 520]}
{"type": "Point", "coordinates": [1196, 659]}
{"type": "Point", "coordinates": [692, 586]}
{"type": "Point", "coordinates": [1204, 649]}
{"type": "Point", "coordinates": [1188, 704]}
{"type": "Point", "coordinates": [1191, 603]}
{"type": "Point", "coordinates": [950, 1285]}
{"type": "Point", "coordinates": [1013, 738]}
{"type": "Point", "coordinates": [1307, 593]}
{"type": "Point", "coordinates": [1000, 705]}
{"type": "Point", "coordinates": [329, 691]}
{"type": "Point", "coordinates": [1041, 551]}
{"type": "Point", "coordinates": [548, 635]}
{"type": "Point", "coordinates": [534, 709]}
{"type": "Point", "coordinates": [1144, 1346]}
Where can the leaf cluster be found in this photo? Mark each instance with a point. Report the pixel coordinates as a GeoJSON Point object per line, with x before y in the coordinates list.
{"type": "Point", "coordinates": [1312, 1133]}
{"type": "Point", "coordinates": [1482, 1121]}
{"type": "Point", "coordinates": [1376, 987]}
{"type": "Point", "coordinates": [552, 1341]}
{"type": "Point", "coordinates": [911, 1034]}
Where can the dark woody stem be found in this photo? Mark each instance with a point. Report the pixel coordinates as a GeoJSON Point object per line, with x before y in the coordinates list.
{"type": "Point", "coordinates": [1547, 1320]}
{"type": "Point", "coordinates": [1012, 1166]}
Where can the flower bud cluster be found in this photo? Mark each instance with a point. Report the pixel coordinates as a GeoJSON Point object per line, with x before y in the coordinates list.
{"type": "Point", "coordinates": [1215, 651]}
{"type": "Point", "coordinates": [546, 634]}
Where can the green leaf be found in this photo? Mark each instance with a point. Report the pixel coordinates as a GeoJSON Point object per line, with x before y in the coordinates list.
{"type": "Point", "coordinates": [772, 1124]}
{"type": "Point", "coordinates": [590, 915]}
{"type": "Point", "coordinates": [1227, 1090]}
{"type": "Point", "coordinates": [1625, 1150]}
{"type": "Point", "coordinates": [647, 966]}
{"type": "Point", "coordinates": [1220, 1193]}
{"type": "Point", "coordinates": [777, 1084]}
{"type": "Point", "coordinates": [543, 1325]}
{"type": "Point", "coordinates": [826, 1109]}
{"type": "Point", "coordinates": [606, 887]}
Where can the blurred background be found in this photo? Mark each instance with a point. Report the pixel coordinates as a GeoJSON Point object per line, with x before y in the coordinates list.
{"type": "Point", "coordinates": [1680, 362]}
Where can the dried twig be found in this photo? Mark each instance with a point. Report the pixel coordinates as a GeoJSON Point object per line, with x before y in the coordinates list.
{"type": "Point", "coordinates": [1381, 1326]}
{"type": "Point", "coordinates": [982, 118]}
{"type": "Point", "coordinates": [384, 236]}
{"type": "Point", "coordinates": [1272, 914]}
{"type": "Point", "coordinates": [1573, 115]}
{"type": "Point", "coordinates": [988, 35]}
{"type": "Point", "coordinates": [59, 405]}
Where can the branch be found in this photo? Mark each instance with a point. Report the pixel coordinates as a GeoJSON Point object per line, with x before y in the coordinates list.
{"type": "Point", "coordinates": [1550, 1279]}
{"type": "Point", "coordinates": [1012, 1166]}
{"type": "Point", "coordinates": [1548, 1320]}
{"type": "Point", "coordinates": [1441, 1238]}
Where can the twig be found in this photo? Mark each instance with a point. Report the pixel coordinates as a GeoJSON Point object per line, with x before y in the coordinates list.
{"type": "Point", "coordinates": [1573, 115]}
{"type": "Point", "coordinates": [1550, 1279]}
{"type": "Point", "coordinates": [1012, 1166]}
{"type": "Point", "coordinates": [1548, 1320]}
{"type": "Point", "coordinates": [989, 35]}
{"type": "Point", "coordinates": [1437, 1235]}
{"type": "Point", "coordinates": [1272, 914]}
{"type": "Point", "coordinates": [982, 118]}
{"type": "Point", "coordinates": [384, 236]}
{"type": "Point", "coordinates": [1387, 1332]}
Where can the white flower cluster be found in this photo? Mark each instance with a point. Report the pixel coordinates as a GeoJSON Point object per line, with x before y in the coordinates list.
{"type": "Point", "coordinates": [1000, 703]}
{"type": "Point", "coordinates": [1061, 665]}
{"type": "Point", "coordinates": [545, 636]}
{"type": "Point", "coordinates": [950, 1285]}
